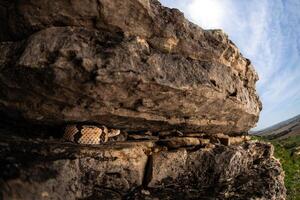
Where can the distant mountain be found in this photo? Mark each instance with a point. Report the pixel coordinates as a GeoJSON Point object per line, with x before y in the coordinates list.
{"type": "Point", "coordinates": [290, 127]}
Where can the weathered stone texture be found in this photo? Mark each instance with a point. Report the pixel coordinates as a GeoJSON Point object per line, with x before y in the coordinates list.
{"type": "Point", "coordinates": [172, 88]}
{"type": "Point", "coordinates": [131, 64]}
{"type": "Point", "coordinates": [51, 169]}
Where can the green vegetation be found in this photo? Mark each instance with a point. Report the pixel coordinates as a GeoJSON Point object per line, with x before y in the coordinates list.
{"type": "Point", "coordinates": [285, 151]}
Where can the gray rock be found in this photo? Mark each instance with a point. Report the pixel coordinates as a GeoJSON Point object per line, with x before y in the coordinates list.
{"type": "Point", "coordinates": [134, 65]}
{"type": "Point", "coordinates": [246, 171]}
{"type": "Point", "coordinates": [56, 170]}
{"type": "Point", "coordinates": [50, 169]}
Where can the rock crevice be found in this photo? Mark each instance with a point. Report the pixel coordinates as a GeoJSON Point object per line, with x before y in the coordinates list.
{"type": "Point", "coordinates": [177, 93]}
{"type": "Point", "coordinates": [137, 170]}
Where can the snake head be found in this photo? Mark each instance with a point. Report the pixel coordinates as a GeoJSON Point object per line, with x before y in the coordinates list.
{"type": "Point", "coordinates": [113, 132]}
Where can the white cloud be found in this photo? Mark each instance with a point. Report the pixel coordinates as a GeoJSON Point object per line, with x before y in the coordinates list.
{"type": "Point", "coordinates": [207, 13]}
{"type": "Point", "coordinates": [251, 27]}
{"type": "Point", "coordinates": [266, 32]}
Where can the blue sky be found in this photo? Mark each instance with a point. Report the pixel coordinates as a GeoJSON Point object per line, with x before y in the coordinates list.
{"type": "Point", "coordinates": [268, 33]}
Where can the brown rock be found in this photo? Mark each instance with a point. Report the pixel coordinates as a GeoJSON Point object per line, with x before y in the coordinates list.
{"type": "Point", "coordinates": [129, 64]}
{"type": "Point", "coordinates": [221, 138]}
{"type": "Point", "coordinates": [142, 137]}
{"type": "Point", "coordinates": [173, 133]}
{"type": "Point", "coordinates": [239, 139]}
{"type": "Point", "coordinates": [177, 142]}
{"type": "Point", "coordinates": [227, 140]}
{"type": "Point", "coordinates": [247, 171]}
{"type": "Point", "coordinates": [133, 65]}
{"type": "Point", "coordinates": [73, 172]}
{"type": "Point", "coordinates": [50, 169]}
{"type": "Point", "coordinates": [296, 152]}
{"type": "Point", "coordinates": [164, 167]}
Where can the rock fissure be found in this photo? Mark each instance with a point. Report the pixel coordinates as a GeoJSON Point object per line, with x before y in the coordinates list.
{"type": "Point", "coordinates": [142, 168]}
{"type": "Point", "coordinates": [148, 171]}
{"type": "Point", "coordinates": [183, 98]}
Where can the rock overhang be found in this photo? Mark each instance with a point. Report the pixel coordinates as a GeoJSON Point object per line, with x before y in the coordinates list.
{"type": "Point", "coordinates": [128, 64]}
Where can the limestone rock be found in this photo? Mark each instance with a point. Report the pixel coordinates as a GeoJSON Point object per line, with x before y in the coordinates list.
{"type": "Point", "coordinates": [142, 137]}
{"type": "Point", "coordinates": [137, 66]}
{"type": "Point", "coordinates": [51, 169]}
{"type": "Point", "coordinates": [131, 64]}
{"type": "Point", "coordinates": [177, 142]}
{"type": "Point", "coordinates": [227, 140]}
{"type": "Point", "coordinates": [220, 172]}
{"type": "Point", "coordinates": [57, 169]}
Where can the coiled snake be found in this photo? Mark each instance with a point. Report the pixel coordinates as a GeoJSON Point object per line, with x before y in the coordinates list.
{"type": "Point", "coordinates": [88, 134]}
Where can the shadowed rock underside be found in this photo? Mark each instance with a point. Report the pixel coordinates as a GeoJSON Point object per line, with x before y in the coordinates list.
{"type": "Point", "coordinates": [129, 64]}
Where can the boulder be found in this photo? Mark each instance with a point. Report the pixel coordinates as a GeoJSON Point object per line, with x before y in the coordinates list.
{"type": "Point", "coordinates": [128, 64]}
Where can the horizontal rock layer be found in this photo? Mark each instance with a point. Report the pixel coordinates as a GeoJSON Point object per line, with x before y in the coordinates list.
{"type": "Point", "coordinates": [129, 64]}
{"type": "Point", "coordinates": [51, 169]}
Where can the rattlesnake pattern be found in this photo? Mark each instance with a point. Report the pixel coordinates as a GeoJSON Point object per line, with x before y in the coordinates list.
{"type": "Point", "coordinates": [88, 134]}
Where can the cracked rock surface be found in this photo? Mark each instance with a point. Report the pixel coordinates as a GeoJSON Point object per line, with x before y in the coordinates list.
{"type": "Point", "coordinates": [136, 169]}
{"type": "Point", "coordinates": [183, 98]}
{"type": "Point", "coordinates": [131, 64]}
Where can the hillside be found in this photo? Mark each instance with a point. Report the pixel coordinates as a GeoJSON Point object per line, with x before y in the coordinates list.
{"type": "Point", "coordinates": [285, 137]}
{"type": "Point", "coordinates": [285, 129]}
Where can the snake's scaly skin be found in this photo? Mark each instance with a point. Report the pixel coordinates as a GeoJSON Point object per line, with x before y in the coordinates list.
{"type": "Point", "coordinates": [86, 134]}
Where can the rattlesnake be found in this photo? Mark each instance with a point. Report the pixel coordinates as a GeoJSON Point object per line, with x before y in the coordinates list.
{"type": "Point", "coordinates": [88, 134]}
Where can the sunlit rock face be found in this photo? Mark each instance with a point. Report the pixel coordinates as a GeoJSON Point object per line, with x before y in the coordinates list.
{"type": "Point", "coordinates": [130, 64]}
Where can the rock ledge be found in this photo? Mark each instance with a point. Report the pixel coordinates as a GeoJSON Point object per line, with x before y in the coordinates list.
{"type": "Point", "coordinates": [51, 169]}
{"type": "Point", "coordinates": [130, 64]}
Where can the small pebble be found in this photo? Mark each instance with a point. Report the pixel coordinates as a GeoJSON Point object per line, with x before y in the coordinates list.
{"type": "Point", "coordinates": [145, 192]}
